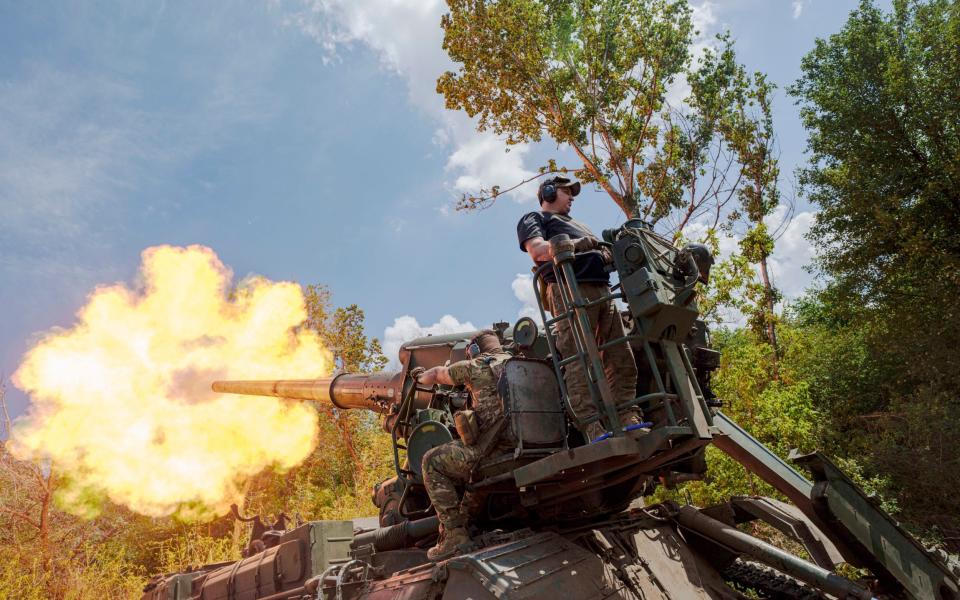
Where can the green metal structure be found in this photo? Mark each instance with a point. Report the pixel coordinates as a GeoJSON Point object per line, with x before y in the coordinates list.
{"type": "Point", "coordinates": [564, 517]}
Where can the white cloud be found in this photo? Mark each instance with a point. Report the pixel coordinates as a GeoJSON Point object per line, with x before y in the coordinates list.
{"type": "Point", "coordinates": [522, 286]}
{"type": "Point", "coordinates": [792, 253]}
{"type": "Point", "coordinates": [397, 224]}
{"type": "Point", "coordinates": [697, 232]}
{"type": "Point", "coordinates": [703, 16]}
{"type": "Point", "coordinates": [406, 328]}
{"type": "Point", "coordinates": [482, 162]}
{"type": "Point", "coordinates": [408, 39]}
{"type": "Point", "coordinates": [798, 6]}
{"type": "Point", "coordinates": [704, 23]}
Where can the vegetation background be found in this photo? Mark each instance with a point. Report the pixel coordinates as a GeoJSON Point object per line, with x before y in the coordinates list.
{"type": "Point", "coordinates": [864, 367]}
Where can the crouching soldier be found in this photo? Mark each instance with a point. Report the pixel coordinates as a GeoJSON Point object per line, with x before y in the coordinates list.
{"type": "Point", "coordinates": [481, 433]}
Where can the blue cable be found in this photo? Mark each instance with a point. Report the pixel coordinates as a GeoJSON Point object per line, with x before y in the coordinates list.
{"type": "Point", "coordinates": [642, 425]}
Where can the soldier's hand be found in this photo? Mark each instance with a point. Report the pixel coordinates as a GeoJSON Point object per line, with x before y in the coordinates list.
{"type": "Point", "coordinates": [585, 244]}
{"type": "Point", "coordinates": [416, 372]}
{"type": "Point", "coordinates": [607, 255]}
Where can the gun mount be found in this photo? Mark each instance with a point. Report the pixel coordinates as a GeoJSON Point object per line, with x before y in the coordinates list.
{"type": "Point", "coordinates": [563, 516]}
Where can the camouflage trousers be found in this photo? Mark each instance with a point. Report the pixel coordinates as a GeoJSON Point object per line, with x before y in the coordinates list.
{"type": "Point", "coordinates": [447, 467]}
{"type": "Point", "coordinates": [619, 366]}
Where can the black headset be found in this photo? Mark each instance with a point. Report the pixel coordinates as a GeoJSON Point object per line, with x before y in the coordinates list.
{"type": "Point", "coordinates": [548, 192]}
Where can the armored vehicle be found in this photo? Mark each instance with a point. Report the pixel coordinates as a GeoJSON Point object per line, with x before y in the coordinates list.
{"type": "Point", "coordinates": [562, 516]}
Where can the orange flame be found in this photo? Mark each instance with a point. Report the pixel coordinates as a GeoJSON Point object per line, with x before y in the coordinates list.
{"type": "Point", "coordinates": [121, 402]}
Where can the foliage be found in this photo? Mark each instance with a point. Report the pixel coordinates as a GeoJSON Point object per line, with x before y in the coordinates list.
{"type": "Point", "coordinates": [597, 76]}
{"type": "Point", "coordinates": [342, 331]}
{"type": "Point", "coordinates": [782, 413]}
{"type": "Point", "coordinates": [881, 104]}
{"type": "Point", "coordinates": [779, 413]}
{"type": "Point", "coordinates": [904, 433]}
{"type": "Point", "coordinates": [50, 554]}
{"type": "Point", "coordinates": [865, 368]}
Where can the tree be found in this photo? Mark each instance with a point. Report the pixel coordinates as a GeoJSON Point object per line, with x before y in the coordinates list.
{"type": "Point", "coordinates": [749, 131]}
{"type": "Point", "coordinates": [595, 75]}
{"type": "Point", "coordinates": [339, 471]}
{"type": "Point", "coordinates": [47, 553]}
{"type": "Point", "coordinates": [342, 331]}
{"type": "Point", "coordinates": [881, 103]}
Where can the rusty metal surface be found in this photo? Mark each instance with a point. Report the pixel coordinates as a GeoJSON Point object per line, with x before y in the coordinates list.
{"type": "Point", "coordinates": [666, 567]}
{"type": "Point", "coordinates": [542, 566]}
{"type": "Point", "coordinates": [420, 583]}
{"type": "Point", "coordinates": [264, 574]}
{"type": "Point", "coordinates": [171, 587]}
{"type": "Point", "coordinates": [634, 447]}
{"type": "Point", "coordinates": [374, 391]}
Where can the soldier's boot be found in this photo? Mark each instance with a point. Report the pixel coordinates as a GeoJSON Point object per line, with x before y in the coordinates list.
{"type": "Point", "coordinates": [594, 430]}
{"type": "Point", "coordinates": [633, 416]}
{"type": "Point", "coordinates": [449, 543]}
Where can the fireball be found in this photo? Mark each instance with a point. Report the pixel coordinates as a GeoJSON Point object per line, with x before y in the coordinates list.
{"type": "Point", "coordinates": [121, 402]}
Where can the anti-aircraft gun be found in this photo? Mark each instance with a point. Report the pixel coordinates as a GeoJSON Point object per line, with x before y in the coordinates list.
{"type": "Point", "coordinates": [562, 516]}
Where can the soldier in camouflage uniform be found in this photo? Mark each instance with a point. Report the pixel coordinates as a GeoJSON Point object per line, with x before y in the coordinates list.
{"type": "Point", "coordinates": [450, 465]}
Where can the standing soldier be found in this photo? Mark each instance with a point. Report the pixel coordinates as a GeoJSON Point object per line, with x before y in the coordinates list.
{"type": "Point", "coordinates": [450, 465]}
{"type": "Point", "coordinates": [535, 230]}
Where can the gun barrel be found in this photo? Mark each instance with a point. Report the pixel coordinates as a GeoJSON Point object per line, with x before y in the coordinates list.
{"type": "Point", "coordinates": [375, 391]}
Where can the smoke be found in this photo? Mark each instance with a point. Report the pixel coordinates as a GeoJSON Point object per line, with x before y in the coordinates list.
{"type": "Point", "coordinates": [121, 403]}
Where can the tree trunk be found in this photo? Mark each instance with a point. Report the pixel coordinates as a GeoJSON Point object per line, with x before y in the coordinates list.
{"type": "Point", "coordinates": [43, 533]}
{"type": "Point", "coordinates": [342, 422]}
{"type": "Point", "coordinates": [768, 323]}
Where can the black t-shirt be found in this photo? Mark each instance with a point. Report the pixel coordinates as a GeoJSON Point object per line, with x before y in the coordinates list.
{"type": "Point", "coordinates": [588, 266]}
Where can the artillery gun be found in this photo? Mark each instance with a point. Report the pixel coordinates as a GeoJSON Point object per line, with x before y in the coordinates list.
{"type": "Point", "coordinates": [562, 516]}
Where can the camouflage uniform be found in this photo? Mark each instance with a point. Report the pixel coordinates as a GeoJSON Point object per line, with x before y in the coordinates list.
{"type": "Point", "coordinates": [618, 362]}
{"type": "Point", "coordinates": [447, 466]}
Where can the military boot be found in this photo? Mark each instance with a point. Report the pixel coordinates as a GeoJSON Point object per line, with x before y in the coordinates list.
{"type": "Point", "coordinates": [633, 416]}
{"type": "Point", "coordinates": [449, 542]}
{"type": "Point", "coordinates": [593, 431]}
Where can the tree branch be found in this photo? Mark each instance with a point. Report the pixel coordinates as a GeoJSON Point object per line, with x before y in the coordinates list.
{"type": "Point", "coordinates": [20, 515]}
{"type": "Point", "coordinates": [7, 423]}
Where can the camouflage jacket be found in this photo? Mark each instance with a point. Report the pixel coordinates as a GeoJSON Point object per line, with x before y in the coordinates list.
{"type": "Point", "coordinates": [480, 375]}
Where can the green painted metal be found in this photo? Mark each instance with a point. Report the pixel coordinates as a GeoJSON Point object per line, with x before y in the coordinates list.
{"type": "Point", "coordinates": [748, 451]}
{"type": "Point", "coordinates": [896, 551]}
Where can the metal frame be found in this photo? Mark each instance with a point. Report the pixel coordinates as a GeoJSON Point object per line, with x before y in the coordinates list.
{"type": "Point", "coordinates": [679, 368]}
{"type": "Point", "coordinates": [588, 353]}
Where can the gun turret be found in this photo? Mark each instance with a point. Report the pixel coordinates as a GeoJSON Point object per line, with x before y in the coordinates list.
{"type": "Point", "coordinates": [555, 499]}
{"type": "Point", "coordinates": [375, 391]}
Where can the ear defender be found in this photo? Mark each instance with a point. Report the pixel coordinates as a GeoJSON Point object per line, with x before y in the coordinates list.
{"type": "Point", "coordinates": [548, 192]}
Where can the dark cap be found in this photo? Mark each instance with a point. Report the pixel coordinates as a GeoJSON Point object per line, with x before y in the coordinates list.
{"type": "Point", "coordinates": [487, 340]}
{"type": "Point", "coordinates": [562, 182]}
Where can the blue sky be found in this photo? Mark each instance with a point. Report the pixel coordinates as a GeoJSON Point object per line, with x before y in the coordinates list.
{"type": "Point", "coordinates": [301, 141]}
